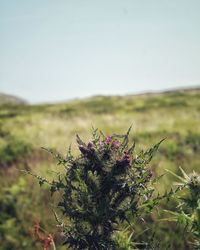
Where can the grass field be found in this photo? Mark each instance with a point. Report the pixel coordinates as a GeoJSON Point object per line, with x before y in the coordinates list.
{"type": "Point", "coordinates": [24, 129]}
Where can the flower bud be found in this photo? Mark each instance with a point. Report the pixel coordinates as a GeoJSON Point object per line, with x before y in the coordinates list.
{"type": "Point", "coordinates": [84, 150]}
{"type": "Point", "coordinates": [108, 139]}
{"type": "Point", "coordinates": [88, 150]}
{"type": "Point", "coordinates": [124, 161]}
{"type": "Point", "coordinates": [115, 144]}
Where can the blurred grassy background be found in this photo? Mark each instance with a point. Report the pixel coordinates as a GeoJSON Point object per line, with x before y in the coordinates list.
{"type": "Point", "coordinates": [24, 129]}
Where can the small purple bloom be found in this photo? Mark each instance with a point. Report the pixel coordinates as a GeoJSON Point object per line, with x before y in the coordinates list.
{"type": "Point", "coordinates": [115, 144]}
{"type": "Point", "coordinates": [124, 161]}
{"type": "Point", "coordinates": [87, 150]}
{"type": "Point", "coordinates": [90, 145]}
{"type": "Point", "coordinates": [84, 150]}
{"type": "Point", "coordinates": [108, 139]}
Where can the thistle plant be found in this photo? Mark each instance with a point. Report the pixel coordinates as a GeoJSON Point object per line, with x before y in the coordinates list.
{"type": "Point", "coordinates": [105, 185]}
{"type": "Point", "coordinates": [188, 210]}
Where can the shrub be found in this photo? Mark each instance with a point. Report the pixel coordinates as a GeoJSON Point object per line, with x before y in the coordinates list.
{"type": "Point", "coordinates": [13, 150]}
{"type": "Point", "coordinates": [13, 233]}
{"type": "Point", "coordinates": [193, 139]}
{"type": "Point", "coordinates": [104, 186]}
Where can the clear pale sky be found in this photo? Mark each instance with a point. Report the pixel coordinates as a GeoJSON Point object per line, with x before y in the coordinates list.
{"type": "Point", "coordinates": [57, 50]}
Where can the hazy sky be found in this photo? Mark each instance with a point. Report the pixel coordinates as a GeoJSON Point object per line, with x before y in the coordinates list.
{"type": "Point", "coordinates": [54, 50]}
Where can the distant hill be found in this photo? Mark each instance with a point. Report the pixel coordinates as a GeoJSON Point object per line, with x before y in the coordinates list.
{"type": "Point", "coordinates": [10, 99]}
{"type": "Point", "coordinates": [14, 100]}
{"type": "Point", "coordinates": [171, 91]}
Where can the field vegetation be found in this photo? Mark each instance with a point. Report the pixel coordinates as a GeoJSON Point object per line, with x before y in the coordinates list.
{"type": "Point", "coordinates": [24, 129]}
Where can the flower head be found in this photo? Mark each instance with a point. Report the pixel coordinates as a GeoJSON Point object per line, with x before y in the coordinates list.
{"type": "Point", "coordinates": [88, 150]}
{"type": "Point", "coordinates": [108, 139]}
{"type": "Point", "coordinates": [115, 144]}
{"type": "Point", "coordinates": [124, 161]}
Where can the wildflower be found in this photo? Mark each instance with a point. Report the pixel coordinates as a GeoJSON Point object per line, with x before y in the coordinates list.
{"type": "Point", "coordinates": [108, 139]}
{"type": "Point", "coordinates": [114, 143]}
{"type": "Point", "coordinates": [90, 145]}
{"type": "Point", "coordinates": [124, 161]}
{"type": "Point", "coordinates": [88, 150]}
{"type": "Point", "coordinates": [84, 150]}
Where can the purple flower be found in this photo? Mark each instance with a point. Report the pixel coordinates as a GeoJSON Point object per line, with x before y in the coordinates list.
{"type": "Point", "coordinates": [87, 150]}
{"type": "Point", "coordinates": [124, 161]}
{"type": "Point", "coordinates": [84, 150]}
{"type": "Point", "coordinates": [108, 139]}
{"type": "Point", "coordinates": [90, 145]}
{"type": "Point", "coordinates": [115, 144]}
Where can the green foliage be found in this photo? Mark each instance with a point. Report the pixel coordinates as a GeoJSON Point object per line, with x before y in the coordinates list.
{"type": "Point", "coordinates": [123, 240]}
{"type": "Point", "coordinates": [12, 234]}
{"type": "Point", "coordinates": [172, 150]}
{"type": "Point", "coordinates": [193, 139]}
{"type": "Point", "coordinates": [101, 105]}
{"type": "Point", "coordinates": [188, 210]}
{"type": "Point", "coordinates": [13, 150]}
